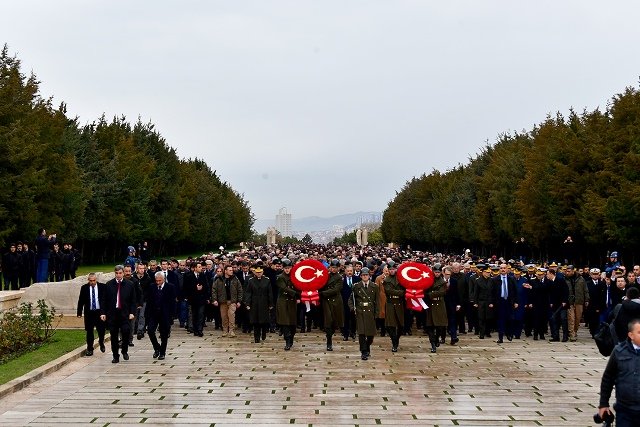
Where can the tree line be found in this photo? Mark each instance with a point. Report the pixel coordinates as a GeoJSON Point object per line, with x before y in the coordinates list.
{"type": "Point", "coordinates": [575, 176]}
{"type": "Point", "coordinates": [106, 184]}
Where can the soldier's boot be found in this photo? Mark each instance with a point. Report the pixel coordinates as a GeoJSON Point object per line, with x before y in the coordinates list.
{"type": "Point", "coordinates": [256, 335]}
{"type": "Point", "coordinates": [369, 342]}
{"type": "Point", "coordinates": [433, 347]}
{"type": "Point", "coordinates": [287, 337]}
{"type": "Point", "coordinates": [329, 342]}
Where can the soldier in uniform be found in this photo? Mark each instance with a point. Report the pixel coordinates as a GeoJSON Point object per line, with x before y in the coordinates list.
{"type": "Point", "coordinates": [436, 320]}
{"type": "Point", "coordinates": [288, 297]}
{"type": "Point", "coordinates": [484, 300]}
{"type": "Point", "coordinates": [394, 310]}
{"type": "Point", "coordinates": [364, 305]}
{"type": "Point", "coordinates": [331, 301]}
{"type": "Point", "coordinates": [258, 300]}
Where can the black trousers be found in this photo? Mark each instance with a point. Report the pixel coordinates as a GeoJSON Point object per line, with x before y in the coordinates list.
{"type": "Point", "coordinates": [365, 344]}
{"type": "Point", "coordinates": [156, 322]}
{"type": "Point", "coordinates": [260, 331]}
{"type": "Point", "coordinates": [197, 313]}
{"type": "Point", "coordinates": [119, 325]}
{"type": "Point", "coordinates": [92, 321]}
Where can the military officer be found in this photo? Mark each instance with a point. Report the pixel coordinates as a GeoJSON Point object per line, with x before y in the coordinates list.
{"type": "Point", "coordinates": [437, 312]}
{"type": "Point", "coordinates": [288, 298]}
{"type": "Point", "coordinates": [331, 301]}
{"type": "Point", "coordinates": [394, 310]}
{"type": "Point", "coordinates": [258, 300]}
{"type": "Point", "coordinates": [484, 300]}
{"type": "Point", "coordinates": [364, 304]}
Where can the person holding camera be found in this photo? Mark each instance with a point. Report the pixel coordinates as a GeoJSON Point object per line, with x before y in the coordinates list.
{"type": "Point", "coordinates": [622, 371]}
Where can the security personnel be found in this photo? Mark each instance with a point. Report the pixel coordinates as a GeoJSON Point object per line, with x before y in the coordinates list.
{"type": "Point", "coordinates": [331, 301]}
{"type": "Point", "coordinates": [484, 300]}
{"type": "Point", "coordinates": [437, 312]}
{"type": "Point", "coordinates": [394, 310]}
{"type": "Point", "coordinates": [364, 304]}
{"type": "Point", "coordinates": [288, 297]}
{"type": "Point", "coordinates": [258, 300]}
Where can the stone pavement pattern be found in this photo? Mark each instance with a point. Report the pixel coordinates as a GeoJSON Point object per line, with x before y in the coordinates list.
{"type": "Point", "coordinates": [232, 381]}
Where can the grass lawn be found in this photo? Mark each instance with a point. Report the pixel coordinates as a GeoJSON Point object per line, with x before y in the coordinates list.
{"type": "Point", "coordinates": [62, 342]}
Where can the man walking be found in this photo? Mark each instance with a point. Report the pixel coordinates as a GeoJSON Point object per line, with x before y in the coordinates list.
{"type": "Point", "coordinates": [92, 301]}
{"type": "Point", "coordinates": [120, 309]}
{"type": "Point", "coordinates": [363, 303]}
{"type": "Point", "coordinates": [160, 309]}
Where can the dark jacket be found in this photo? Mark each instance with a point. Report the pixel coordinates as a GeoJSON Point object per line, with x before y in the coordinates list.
{"type": "Point", "coordinates": [622, 371]}
{"type": "Point", "coordinates": [331, 300]}
{"type": "Point", "coordinates": [628, 311]}
{"type": "Point", "coordinates": [558, 294]}
{"type": "Point", "coordinates": [127, 301]}
{"type": "Point", "coordinates": [286, 305]}
{"type": "Point", "coordinates": [190, 289]}
{"type": "Point", "coordinates": [161, 304]}
{"type": "Point", "coordinates": [84, 299]}
{"type": "Point", "coordinates": [511, 289]}
{"type": "Point", "coordinates": [259, 298]}
{"type": "Point", "coordinates": [219, 293]}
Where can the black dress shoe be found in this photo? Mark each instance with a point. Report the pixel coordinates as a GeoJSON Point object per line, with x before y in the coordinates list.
{"type": "Point", "coordinates": [89, 353]}
{"type": "Point", "coordinates": [535, 338]}
{"type": "Point", "coordinates": [102, 348]}
{"type": "Point", "coordinates": [394, 349]}
{"type": "Point", "coordinates": [131, 344]}
{"type": "Point", "coordinates": [442, 340]}
{"type": "Point", "coordinates": [488, 335]}
{"type": "Point", "coordinates": [499, 341]}
{"type": "Point", "coordinates": [481, 337]}
{"type": "Point", "coordinates": [256, 340]}
{"type": "Point", "coordinates": [156, 354]}
{"type": "Point", "coordinates": [140, 336]}
{"type": "Point", "coordinates": [115, 360]}
{"type": "Point", "coordinates": [565, 339]}
{"type": "Point", "coordinates": [345, 338]}
{"type": "Point", "coordinates": [125, 356]}
{"type": "Point", "coordinates": [161, 357]}
{"type": "Point", "coordinates": [287, 347]}
{"type": "Point", "coordinates": [364, 357]}
{"type": "Point", "coordinates": [554, 340]}
{"type": "Point", "coordinates": [454, 341]}
{"type": "Point", "coordinates": [510, 337]}
{"type": "Point", "coordinates": [329, 348]}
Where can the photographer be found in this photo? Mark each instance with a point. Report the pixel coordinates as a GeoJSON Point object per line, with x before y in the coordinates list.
{"type": "Point", "coordinates": [621, 371]}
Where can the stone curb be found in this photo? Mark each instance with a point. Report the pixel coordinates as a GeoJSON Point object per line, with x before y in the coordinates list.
{"type": "Point", "coordinates": [19, 383]}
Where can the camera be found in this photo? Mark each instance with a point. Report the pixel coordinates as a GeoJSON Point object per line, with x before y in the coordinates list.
{"type": "Point", "coordinates": [606, 420]}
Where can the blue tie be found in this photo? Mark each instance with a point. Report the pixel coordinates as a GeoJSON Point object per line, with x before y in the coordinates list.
{"type": "Point", "coordinates": [505, 292]}
{"type": "Point", "coordinates": [93, 298]}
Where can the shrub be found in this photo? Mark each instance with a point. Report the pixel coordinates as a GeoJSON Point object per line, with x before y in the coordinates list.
{"type": "Point", "coordinates": [22, 330]}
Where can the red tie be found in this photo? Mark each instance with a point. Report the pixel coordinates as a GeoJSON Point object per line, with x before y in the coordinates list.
{"type": "Point", "coordinates": [118, 296]}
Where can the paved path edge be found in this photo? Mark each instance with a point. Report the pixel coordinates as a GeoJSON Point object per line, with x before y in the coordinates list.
{"type": "Point", "coordinates": [19, 383]}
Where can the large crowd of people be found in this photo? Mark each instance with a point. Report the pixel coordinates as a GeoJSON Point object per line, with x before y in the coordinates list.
{"type": "Point", "coordinates": [251, 291]}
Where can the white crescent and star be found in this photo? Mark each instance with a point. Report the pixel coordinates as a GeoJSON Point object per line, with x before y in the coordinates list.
{"type": "Point", "coordinates": [298, 274]}
{"type": "Point", "coordinates": [423, 274]}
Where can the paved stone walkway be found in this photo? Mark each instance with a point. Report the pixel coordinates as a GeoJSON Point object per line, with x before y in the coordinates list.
{"type": "Point", "coordinates": [232, 381]}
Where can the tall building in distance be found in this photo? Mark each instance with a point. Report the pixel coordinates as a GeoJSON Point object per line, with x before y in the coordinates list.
{"type": "Point", "coordinates": [283, 223]}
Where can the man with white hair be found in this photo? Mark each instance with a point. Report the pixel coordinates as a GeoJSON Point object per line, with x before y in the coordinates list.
{"type": "Point", "coordinates": [161, 306]}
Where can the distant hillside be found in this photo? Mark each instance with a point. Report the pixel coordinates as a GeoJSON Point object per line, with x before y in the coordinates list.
{"type": "Point", "coordinates": [316, 223]}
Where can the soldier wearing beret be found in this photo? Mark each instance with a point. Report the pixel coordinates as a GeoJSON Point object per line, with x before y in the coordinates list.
{"type": "Point", "coordinates": [331, 300]}
{"type": "Point", "coordinates": [394, 310]}
{"type": "Point", "coordinates": [364, 304]}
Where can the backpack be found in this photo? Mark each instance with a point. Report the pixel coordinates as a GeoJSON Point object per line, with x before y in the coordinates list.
{"type": "Point", "coordinates": [606, 338]}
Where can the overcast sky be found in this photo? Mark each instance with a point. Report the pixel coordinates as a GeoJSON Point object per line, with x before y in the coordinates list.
{"type": "Point", "coordinates": [326, 107]}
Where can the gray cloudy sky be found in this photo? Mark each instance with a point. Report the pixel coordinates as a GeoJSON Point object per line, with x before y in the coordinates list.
{"type": "Point", "coordinates": [326, 107]}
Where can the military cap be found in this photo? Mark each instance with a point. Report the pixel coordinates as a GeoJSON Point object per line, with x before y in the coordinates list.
{"type": "Point", "coordinates": [594, 271]}
{"type": "Point", "coordinates": [364, 270]}
{"type": "Point", "coordinates": [391, 264]}
{"type": "Point", "coordinates": [334, 263]}
{"type": "Point", "coordinates": [614, 254]}
{"type": "Point", "coordinates": [286, 262]}
{"type": "Point", "coordinates": [437, 267]}
{"type": "Point", "coordinates": [258, 269]}
{"type": "Point", "coordinates": [619, 272]}
{"type": "Point", "coordinates": [553, 264]}
{"type": "Point", "coordinates": [276, 261]}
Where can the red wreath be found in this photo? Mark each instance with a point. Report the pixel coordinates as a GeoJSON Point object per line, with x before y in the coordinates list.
{"type": "Point", "coordinates": [416, 278]}
{"type": "Point", "coordinates": [309, 276]}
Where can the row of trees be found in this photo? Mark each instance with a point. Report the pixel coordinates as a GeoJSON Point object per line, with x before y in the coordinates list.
{"type": "Point", "coordinates": [577, 175]}
{"type": "Point", "coordinates": [106, 184]}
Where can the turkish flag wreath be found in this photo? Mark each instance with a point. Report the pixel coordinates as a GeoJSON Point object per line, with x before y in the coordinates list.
{"type": "Point", "coordinates": [308, 276]}
{"type": "Point", "coordinates": [416, 278]}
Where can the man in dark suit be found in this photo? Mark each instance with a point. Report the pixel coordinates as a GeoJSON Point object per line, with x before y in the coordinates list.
{"type": "Point", "coordinates": [197, 291]}
{"type": "Point", "coordinates": [349, 279]}
{"type": "Point", "coordinates": [504, 287]}
{"type": "Point", "coordinates": [242, 314]}
{"type": "Point", "coordinates": [161, 306]}
{"type": "Point", "coordinates": [120, 308]}
{"type": "Point", "coordinates": [558, 305]}
{"type": "Point", "coordinates": [92, 301]}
